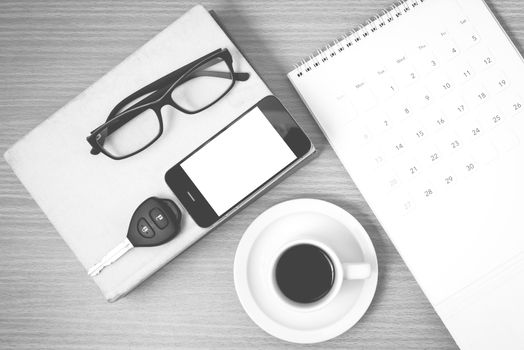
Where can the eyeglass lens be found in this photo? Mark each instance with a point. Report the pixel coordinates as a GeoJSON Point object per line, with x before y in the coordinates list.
{"type": "Point", "coordinates": [203, 86]}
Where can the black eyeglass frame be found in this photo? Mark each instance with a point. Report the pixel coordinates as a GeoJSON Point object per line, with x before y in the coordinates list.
{"type": "Point", "coordinates": [159, 96]}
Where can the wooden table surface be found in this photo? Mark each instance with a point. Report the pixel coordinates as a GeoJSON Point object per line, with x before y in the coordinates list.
{"type": "Point", "coordinates": [52, 50]}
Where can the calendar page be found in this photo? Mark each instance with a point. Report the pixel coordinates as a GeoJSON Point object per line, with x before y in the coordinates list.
{"type": "Point", "coordinates": [423, 105]}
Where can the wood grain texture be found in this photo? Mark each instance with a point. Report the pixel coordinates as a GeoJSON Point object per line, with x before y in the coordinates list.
{"type": "Point", "coordinates": [51, 51]}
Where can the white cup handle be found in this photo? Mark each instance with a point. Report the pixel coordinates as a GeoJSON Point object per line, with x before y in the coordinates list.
{"type": "Point", "coordinates": [356, 271]}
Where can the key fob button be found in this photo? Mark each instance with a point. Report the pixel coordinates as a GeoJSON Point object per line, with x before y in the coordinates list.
{"type": "Point", "coordinates": [159, 218]}
{"type": "Point", "coordinates": [144, 229]}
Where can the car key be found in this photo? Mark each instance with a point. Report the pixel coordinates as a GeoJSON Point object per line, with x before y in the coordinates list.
{"type": "Point", "coordinates": [156, 221]}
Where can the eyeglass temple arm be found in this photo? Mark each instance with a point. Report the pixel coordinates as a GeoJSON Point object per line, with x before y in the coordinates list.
{"type": "Point", "coordinates": [170, 79]}
{"type": "Point", "coordinates": [161, 83]}
{"type": "Point", "coordinates": [225, 75]}
{"type": "Point", "coordinates": [154, 86]}
{"type": "Point", "coordinates": [158, 94]}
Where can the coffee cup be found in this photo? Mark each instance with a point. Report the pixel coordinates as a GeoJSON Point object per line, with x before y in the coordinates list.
{"type": "Point", "coordinates": [308, 274]}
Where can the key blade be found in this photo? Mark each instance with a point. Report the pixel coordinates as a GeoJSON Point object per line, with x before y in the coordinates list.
{"type": "Point", "coordinates": [112, 256]}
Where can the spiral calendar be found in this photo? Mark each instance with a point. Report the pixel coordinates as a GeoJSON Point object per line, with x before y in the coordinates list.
{"type": "Point", "coordinates": [423, 105]}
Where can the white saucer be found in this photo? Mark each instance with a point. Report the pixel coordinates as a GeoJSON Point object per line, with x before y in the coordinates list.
{"type": "Point", "coordinates": [282, 224]}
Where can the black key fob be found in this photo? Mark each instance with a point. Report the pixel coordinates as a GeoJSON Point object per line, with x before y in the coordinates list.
{"type": "Point", "coordinates": [156, 221]}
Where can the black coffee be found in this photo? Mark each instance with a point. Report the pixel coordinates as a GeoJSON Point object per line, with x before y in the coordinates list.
{"type": "Point", "coordinates": [304, 273]}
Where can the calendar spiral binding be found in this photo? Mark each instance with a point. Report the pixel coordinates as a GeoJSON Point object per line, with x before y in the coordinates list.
{"type": "Point", "coordinates": [375, 23]}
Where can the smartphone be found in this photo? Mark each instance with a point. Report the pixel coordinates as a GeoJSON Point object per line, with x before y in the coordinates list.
{"type": "Point", "coordinates": [239, 162]}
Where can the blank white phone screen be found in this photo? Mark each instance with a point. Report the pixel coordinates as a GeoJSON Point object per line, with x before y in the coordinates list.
{"type": "Point", "coordinates": [239, 160]}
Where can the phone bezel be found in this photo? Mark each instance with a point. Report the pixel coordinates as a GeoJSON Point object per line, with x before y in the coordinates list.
{"type": "Point", "coordinates": [192, 199]}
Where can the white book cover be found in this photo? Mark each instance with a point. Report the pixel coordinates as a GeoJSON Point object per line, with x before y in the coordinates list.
{"type": "Point", "coordinates": [90, 199]}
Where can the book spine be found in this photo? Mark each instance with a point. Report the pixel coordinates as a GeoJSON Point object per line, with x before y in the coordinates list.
{"type": "Point", "coordinates": [354, 36]}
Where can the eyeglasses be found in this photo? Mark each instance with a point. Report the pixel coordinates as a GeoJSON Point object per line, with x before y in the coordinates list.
{"type": "Point", "coordinates": [133, 126]}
